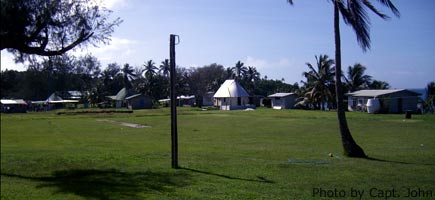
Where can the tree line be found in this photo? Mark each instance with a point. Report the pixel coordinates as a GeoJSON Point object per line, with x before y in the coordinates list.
{"type": "Point", "coordinates": [66, 73]}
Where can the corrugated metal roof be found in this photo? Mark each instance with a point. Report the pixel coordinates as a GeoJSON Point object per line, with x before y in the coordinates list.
{"type": "Point", "coordinates": [113, 97]}
{"type": "Point", "coordinates": [230, 88]}
{"type": "Point", "coordinates": [65, 101]}
{"type": "Point", "coordinates": [282, 94]}
{"type": "Point", "coordinates": [53, 98]}
{"type": "Point", "coordinates": [121, 94]}
{"type": "Point", "coordinates": [13, 101]}
{"type": "Point", "coordinates": [186, 97]}
{"type": "Point", "coordinates": [133, 96]}
{"type": "Point", "coordinates": [376, 93]}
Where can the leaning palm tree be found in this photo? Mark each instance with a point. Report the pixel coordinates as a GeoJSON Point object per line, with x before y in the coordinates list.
{"type": "Point", "coordinates": [354, 14]}
{"type": "Point", "coordinates": [319, 81]}
{"type": "Point", "coordinates": [356, 79]}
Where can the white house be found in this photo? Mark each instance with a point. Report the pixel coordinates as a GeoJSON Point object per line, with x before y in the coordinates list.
{"type": "Point", "coordinates": [232, 96]}
{"type": "Point", "coordinates": [283, 100]}
{"type": "Point", "coordinates": [387, 101]}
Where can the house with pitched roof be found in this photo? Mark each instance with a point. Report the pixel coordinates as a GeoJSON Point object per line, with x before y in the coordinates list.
{"type": "Point", "coordinates": [232, 96]}
{"type": "Point", "coordinates": [283, 100]}
{"type": "Point", "coordinates": [130, 99]}
{"type": "Point", "coordinates": [388, 101]}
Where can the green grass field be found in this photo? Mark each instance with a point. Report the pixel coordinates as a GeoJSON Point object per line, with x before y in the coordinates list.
{"type": "Point", "coordinates": [261, 154]}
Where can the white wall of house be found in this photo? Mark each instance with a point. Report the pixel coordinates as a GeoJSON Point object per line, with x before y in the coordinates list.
{"type": "Point", "coordinates": [231, 101]}
{"type": "Point", "coordinates": [389, 104]}
{"type": "Point", "coordinates": [286, 102]}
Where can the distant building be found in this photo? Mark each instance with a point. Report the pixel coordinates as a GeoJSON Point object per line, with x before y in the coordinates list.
{"type": "Point", "coordinates": [232, 96]}
{"type": "Point", "coordinates": [139, 101]}
{"type": "Point", "coordinates": [54, 101]}
{"type": "Point", "coordinates": [74, 95]}
{"type": "Point", "coordinates": [13, 106]}
{"type": "Point", "coordinates": [130, 99]}
{"type": "Point", "coordinates": [283, 100]}
{"type": "Point", "coordinates": [186, 101]}
{"type": "Point", "coordinates": [387, 101]}
{"type": "Point", "coordinates": [207, 99]}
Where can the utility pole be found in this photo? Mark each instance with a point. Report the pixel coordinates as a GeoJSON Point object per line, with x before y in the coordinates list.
{"type": "Point", "coordinates": [174, 131]}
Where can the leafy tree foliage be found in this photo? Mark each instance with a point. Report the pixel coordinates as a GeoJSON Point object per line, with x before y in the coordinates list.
{"type": "Point", "coordinates": [49, 28]}
{"type": "Point", "coordinates": [319, 82]}
{"type": "Point", "coordinates": [238, 71]}
{"type": "Point", "coordinates": [378, 85]}
{"type": "Point", "coordinates": [128, 75]}
{"type": "Point", "coordinates": [64, 73]}
{"type": "Point", "coordinates": [356, 79]}
{"type": "Point", "coordinates": [430, 97]}
{"type": "Point", "coordinates": [165, 68]}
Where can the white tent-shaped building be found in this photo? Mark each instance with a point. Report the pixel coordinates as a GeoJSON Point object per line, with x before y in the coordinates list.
{"type": "Point", "coordinates": [232, 96]}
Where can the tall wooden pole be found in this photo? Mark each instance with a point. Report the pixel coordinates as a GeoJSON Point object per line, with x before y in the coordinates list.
{"type": "Point", "coordinates": [174, 131]}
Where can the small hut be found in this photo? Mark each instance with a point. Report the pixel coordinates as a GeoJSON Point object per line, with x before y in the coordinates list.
{"type": "Point", "coordinates": [232, 96]}
{"type": "Point", "coordinates": [130, 99]}
{"type": "Point", "coordinates": [13, 106]}
{"type": "Point", "coordinates": [283, 100]}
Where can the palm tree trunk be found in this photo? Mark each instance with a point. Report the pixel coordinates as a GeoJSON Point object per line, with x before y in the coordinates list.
{"type": "Point", "coordinates": [350, 147]}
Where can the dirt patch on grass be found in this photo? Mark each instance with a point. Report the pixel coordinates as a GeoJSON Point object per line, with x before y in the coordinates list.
{"type": "Point", "coordinates": [79, 112]}
{"type": "Point", "coordinates": [132, 125]}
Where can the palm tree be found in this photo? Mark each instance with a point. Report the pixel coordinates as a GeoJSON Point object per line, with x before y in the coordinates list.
{"type": "Point", "coordinates": [150, 70]}
{"type": "Point", "coordinates": [252, 75]}
{"type": "Point", "coordinates": [228, 73]}
{"type": "Point", "coordinates": [165, 68]}
{"type": "Point", "coordinates": [356, 79]}
{"type": "Point", "coordinates": [108, 77]}
{"type": "Point", "coordinates": [319, 81]}
{"type": "Point", "coordinates": [128, 75]}
{"type": "Point", "coordinates": [354, 14]}
{"type": "Point", "coordinates": [239, 71]}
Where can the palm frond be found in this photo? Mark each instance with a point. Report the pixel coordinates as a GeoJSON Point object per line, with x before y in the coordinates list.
{"type": "Point", "coordinates": [355, 15]}
{"type": "Point", "coordinates": [390, 5]}
{"type": "Point", "coordinates": [376, 11]}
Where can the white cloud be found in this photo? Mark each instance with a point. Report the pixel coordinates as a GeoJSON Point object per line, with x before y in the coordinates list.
{"type": "Point", "coordinates": [290, 70]}
{"type": "Point", "coordinates": [256, 62]}
{"type": "Point", "coordinates": [267, 65]}
{"type": "Point", "coordinates": [119, 50]}
{"type": "Point", "coordinates": [7, 62]}
{"type": "Point", "coordinates": [111, 4]}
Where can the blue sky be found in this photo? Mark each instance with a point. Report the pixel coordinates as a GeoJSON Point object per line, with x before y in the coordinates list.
{"type": "Point", "coordinates": [276, 38]}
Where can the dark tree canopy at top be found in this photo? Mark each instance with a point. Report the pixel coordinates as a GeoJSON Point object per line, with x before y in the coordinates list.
{"type": "Point", "coordinates": [48, 28]}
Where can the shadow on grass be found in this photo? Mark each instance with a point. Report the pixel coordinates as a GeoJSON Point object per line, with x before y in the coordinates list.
{"type": "Point", "coordinates": [259, 179]}
{"type": "Point", "coordinates": [397, 162]}
{"type": "Point", "coordinates": [110, 184]}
